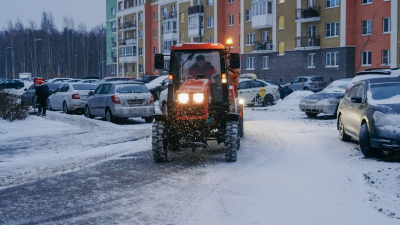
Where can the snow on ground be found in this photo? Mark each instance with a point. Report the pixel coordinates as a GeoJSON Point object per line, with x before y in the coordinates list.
{"type": "Point", "coordinates": [290, 170]}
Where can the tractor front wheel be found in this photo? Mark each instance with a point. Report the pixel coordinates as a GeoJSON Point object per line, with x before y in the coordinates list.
{"type": "Point", "coordinates": [231, 141]}
{"type": "Point", "coordinates": [158, 144]}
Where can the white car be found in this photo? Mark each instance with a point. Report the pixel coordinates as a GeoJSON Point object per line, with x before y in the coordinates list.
{"type": "Point", "coordinates": [254, 91]}
{"type": "Point", "coordinates": [70, 97]}
{"type": "Point", "coordinates": [59, 80]}
{"type": "Point", "coordinates": [162, 102]}
{"type": "Point", "coordinates": [90, 81]}
{"type": "Point", "coordinates": [75, 81]}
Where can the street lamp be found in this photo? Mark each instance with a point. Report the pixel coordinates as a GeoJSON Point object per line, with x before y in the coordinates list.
{"type": "Point", "coordinates": [7, 63]}
{"type": "Point", "coordinates": [34, 49]}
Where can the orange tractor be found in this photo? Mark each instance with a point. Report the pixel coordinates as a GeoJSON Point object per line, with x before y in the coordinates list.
{"type": "Point", "coordinates": [202, 101]}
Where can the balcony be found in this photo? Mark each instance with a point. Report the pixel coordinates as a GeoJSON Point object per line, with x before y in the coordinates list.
{"type": "Point", "coordinates": [262, 47]}
{"type": "Point", "coordinates": [308, 42]}
{"type": "Point", "coordinates": [261, 21]}
{"type": "Point", "coordinates": [169, 15]}
{"type": "Point", "coordinates": [195, 9]}
{"type": "Point", "coordinates": [129, 25]}
{"type": "Point", "coordinates": [113, 29]}
{"type": "Point", "coordinates": [128, 59]}
{"type": "Point", "coordinates": [114, 59]}
{"type": "Point", "coordinates": [130, 41]}
{"type": "Point", "coordinates": [309, 14]}
{"type": "Point", "coordinates": [262, 15]}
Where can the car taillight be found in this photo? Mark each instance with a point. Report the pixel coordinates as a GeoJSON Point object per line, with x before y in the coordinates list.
{"type": "Point", "coordinates": [151, 99]}
{"type": "Point", "coordinates": [115, 99]}
{"type": "Point", "coordinates": [312, 83]}
{"type": "Point", "coordinates": [76, 96]}
{"type": "Point", "coordinates": [277, 90]}
{"type": "Point", "coordinates": [347, 90]}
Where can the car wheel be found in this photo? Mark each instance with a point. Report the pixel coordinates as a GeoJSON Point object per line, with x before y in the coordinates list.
{"type": "Point", "coordinates": [65, 108]}
{"type": "Point", "coordinates": [48, 106]}
{"type": "Point", "coordinates": [109, 116]}
{"type": "Point", "coordinates": [87, 113]}
{"type": "Point", "coordinates": [342, 133]}
{"type": "Point", "coordinates": [312, 115]}
{"type": "Point", "coordinates": [164, 108]}
{"type": "Point", "coordinates": [268, 100]}
{"type": "Point", "coordinates": [306, 89]}
{"type": "Point", "coordinates": [365, 144]}
{"type": "Point", "coordinates": [149, 119]}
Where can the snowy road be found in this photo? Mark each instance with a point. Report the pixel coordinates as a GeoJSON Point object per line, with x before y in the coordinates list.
{"type": "Point", "coordinates": [290, 170]}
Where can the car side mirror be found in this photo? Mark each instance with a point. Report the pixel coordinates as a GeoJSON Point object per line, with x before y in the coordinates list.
{"type": "Point", "coordinates": [90, 93]}
{"type": "Point", "coordinates": [356, 99]}
{"type": "Point", "coordinates": [159, 61]}
{"type": "Point", "coordinates": [234, 61]}
{"type": "Point", "coordinates": [25, 89]}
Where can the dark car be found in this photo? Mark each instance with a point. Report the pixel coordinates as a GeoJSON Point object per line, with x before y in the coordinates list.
{"type": "Point", "coordinates": [11, 84]}
{"type": "Point", "coordinates": [29, 95]}
{"type": "Point", "coordinates": [283, 91]}
{"type": "Point", "coordinates": [369, 113]}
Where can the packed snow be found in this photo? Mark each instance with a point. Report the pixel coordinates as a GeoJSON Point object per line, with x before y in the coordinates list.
{"type": "Point", "coordinates": [290, 170]}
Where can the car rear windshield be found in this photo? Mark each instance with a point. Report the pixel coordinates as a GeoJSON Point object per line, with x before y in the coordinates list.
{"type": "Point", "coordinates": [118, 79]}
{"type": "Point", "coordinates": [317, 79]}
{"type": "Point", "coordinates": [84, 86]}
{"type": "Point", "coordinates": [385, 91]}
{"type": "Point", "coordinates": [131, 88]}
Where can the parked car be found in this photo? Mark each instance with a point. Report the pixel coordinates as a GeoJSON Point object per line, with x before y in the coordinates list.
{"type": "Point", "coordinates": [29, 95]}
{"type": "Point", "coordinates": [59, 80]}
{"type": "Point", "coordinates": [369, 113]}
{"type": "Point", "coordinates": [90, 81]}
{"type": "Point", "coordinates": [11, 84]}
{"type": "Point", "coordinates": [283, 90]}
{"type": "Point", "coordinates": [162, 102]}
{"type": "Point", "coordinates": [120, 100]}
{"type": "Point", "coordinates": [326, 101]}
{"type": "Point", "coordinates": [158, 85]}
{"type": "Point", "coordinates": [371, 73]}
{"type": "Point", "coordinates": [74, 81]}
{"type": "Point", "coordinates": [70, 98]}
{"type": "Point", "coordinates": [253, 91]}
{"type": "Point", "coordinates": [307, 83]}
{"type": "Point", "coordinates": [109, 79]}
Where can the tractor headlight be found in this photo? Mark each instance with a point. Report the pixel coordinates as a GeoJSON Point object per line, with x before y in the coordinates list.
{"type": "Point", "coordinates": [183, 98]}
{"type": "Point", "coordinates": [241, 101]}
{"type": "Point", "coordinates": [198, 97]}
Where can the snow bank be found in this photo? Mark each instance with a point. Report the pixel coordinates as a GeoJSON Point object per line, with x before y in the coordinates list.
{"type": "Point", "coordinates": [292, 101]}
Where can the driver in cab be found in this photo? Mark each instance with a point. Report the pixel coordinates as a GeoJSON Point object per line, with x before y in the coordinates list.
{"type": "Point", "coordinates": [202, 67]}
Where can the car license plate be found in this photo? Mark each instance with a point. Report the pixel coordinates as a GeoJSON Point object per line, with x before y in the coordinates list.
{"type": "Point", "coordinates": [135, 101]}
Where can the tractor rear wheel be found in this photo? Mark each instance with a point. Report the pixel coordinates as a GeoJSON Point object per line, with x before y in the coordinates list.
{"type": "Point", "coordinates": [231, 141]}
{"type": "Point", "coordinates": [241, 127]}
{"type": "Point", "coordinates": [158, 144]}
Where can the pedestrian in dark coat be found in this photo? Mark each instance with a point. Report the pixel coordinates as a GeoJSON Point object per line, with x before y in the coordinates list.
{"type": "Point", "coordinates": [42, 93]}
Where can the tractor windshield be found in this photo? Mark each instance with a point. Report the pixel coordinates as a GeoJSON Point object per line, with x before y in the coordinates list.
{"type": "Point", "coordinates": [200, 64]}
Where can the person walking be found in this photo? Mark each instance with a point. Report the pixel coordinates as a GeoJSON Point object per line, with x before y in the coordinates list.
{"type": "Point", "coordinates": [42, 93]}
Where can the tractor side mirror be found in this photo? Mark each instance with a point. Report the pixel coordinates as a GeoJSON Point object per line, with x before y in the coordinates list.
{"type": "Point", "coordinates": [159, 61]}
{"type": "Point", "coordinates": [234, 61]}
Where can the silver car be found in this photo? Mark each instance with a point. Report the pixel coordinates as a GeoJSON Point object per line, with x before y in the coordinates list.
{"type": "Point", "coordinates": [120, 100]}
{"type": "Point", "coordinates": [307, 83]}
{"type": "Point", "coordinates": [326, 101]}
{"type": "Point", "coordinates": [70, 97]}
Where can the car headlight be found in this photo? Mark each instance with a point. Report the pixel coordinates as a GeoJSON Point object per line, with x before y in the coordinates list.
{"type": "Point", "coordinates": [198, 97]}
{"type": "Point", "coordinates": [183, 98]}
{"type": "Point", "coordinates": [381, 119]}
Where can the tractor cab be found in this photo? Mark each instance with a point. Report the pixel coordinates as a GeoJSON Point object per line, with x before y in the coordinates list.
{"type": "Point", "coordinates": [202, 99]}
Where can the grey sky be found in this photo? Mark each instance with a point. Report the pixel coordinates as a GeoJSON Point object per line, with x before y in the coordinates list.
{"type": "Point", "coordinates": [88, 12]}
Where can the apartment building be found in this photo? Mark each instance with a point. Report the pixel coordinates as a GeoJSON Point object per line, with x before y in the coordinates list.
{"type": "Point", "coordinates": [277, 39]}
{"type": "Point", "coordinates": [111, 40]}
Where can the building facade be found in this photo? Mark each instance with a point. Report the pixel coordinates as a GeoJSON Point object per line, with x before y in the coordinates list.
{"type": "Point", "coordinates": [111, 43]}
{"type": "Point", "coordinates": [277, 39]}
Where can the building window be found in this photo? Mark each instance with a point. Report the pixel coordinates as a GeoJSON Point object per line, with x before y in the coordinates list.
{"type": "Point", "coordinates": [281, 22]}
{"type": "Point", "coordinates": [385, 57]}
{"type": "Point", "coordinates": [120, 69]}
{"type": "Point", "coordinates": [120, 6]}
{"type": "Point", "coordinates": [113, 70]}
{"type": "Point", "coordinates": [386, 25]}
{"type": "Point", "coordinates": [311, 60]}
{"type": "Point", "coordinates": [230, 20]}
{"type": "Point", "coordinates": [366, 58]}
{"type": "Point", "coordinates": [265, 62]}
{"type": "Point", "coordinates": [154, 50]}
{"type": "Point", "coordinates": [230, 1]}
{"type": "Point", "coordinates": [366, 27]}
{"type": "Point", "coordinates": [140, 17]}
{"type": "Point", "coordinates": [140, 34]}
{"type": "Point", "coordinates": [265, 36]}
{"type": "Point", "coordinates": [366, 1]}
{"type": "Point", "coordinates": [332, 59]}
{"type": "Point", "coordinates": [281, 48]}
{"type": "Point", "coordinates": [332, 3]}
{"type": "Point", "coordinates": [112, 11]}
{"type": "Point", "coordinates": [210, 22]}
{"type": "Point", "coordinates": [210, 2]}
{"type": "Point", "coordinates": [332, 29]}
{"type": "Point", "coordinates": [248, 15]}
{"type": "Point", "coordinates": [182, 15]}
{"type": "Point", "coordinates": [250, 37]}
{"type": "Point", "coordinates": [133, 68]}
{"type": "Point", "coordinates": [210, 40]}
{"type": "Point", "coordinates": [281, 1]}
{"type": "Point", "coordinates": [140, 2]}
{"type": "Point", "coordinates": [126, 69]}
{"type": "Point", "coordinates": [126, 4]}
{"type": "Point", "coordinates": [154, 33]}
{"type": "Point", "coordinates": [141, 51]}
{"type": "Point", "coordinates": [250, 63]}
{"type": "Point", "coordinates": [140, 68]}
{"type": "Point", "coordinates": [154, 16]}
